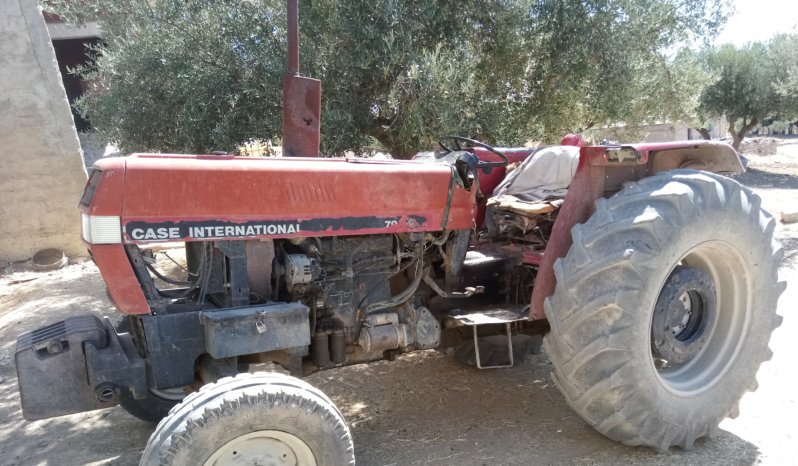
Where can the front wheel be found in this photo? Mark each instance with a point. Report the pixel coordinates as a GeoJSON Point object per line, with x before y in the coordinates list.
{"type": "Point", "coordinates": [260, 418]}
{"type": "Point", "coordinates": [664, 307]}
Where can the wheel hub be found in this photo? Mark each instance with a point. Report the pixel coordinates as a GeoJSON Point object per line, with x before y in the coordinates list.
{"type": "Point", "coordinates": [684, 316]}
{"type": "Point", "coordinates": [263, 448]}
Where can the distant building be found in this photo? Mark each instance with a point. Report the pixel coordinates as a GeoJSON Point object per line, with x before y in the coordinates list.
{"type": "Point", "coordinates": [71, 45]}
{"type": "Point", "coordinates": [658, 132]}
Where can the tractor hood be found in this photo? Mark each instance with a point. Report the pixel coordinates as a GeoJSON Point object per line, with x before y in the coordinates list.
{"type": "Point", "coordinates": [187, 198]}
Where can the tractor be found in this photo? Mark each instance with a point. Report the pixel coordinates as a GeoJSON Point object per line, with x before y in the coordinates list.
{"type": "Point", "coordinates": [651, 275]}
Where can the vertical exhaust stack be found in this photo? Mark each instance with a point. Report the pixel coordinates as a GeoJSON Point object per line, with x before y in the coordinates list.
{"type": "Point", "coordinates": [301, 99]}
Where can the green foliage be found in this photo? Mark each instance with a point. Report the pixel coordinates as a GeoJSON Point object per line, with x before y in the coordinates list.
{"type": "Point", "coordinates": [784, 50]}
{"type": "Point", "coordinates": [607, 62]}
{"type": "Point", "coordinates": [204, 75]}
{"type": "Point", "coordinates": [176, 76]}
{"type": "Point", "coordinates": [754, 84]}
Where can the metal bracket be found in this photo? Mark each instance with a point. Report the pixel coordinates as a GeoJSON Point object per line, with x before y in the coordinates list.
{"type": "Point", "coordinates": [509, 348]}
{"type": "Point", "coordinates": [504, 316]}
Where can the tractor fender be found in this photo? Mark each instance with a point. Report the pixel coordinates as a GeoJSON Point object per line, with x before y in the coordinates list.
{"type": "Point", "coordinates": [712, 156]}
{"type": "Point", "coordinates": [601, 172]}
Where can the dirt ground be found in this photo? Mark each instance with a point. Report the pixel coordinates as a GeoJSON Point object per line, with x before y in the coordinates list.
{"type": "Point", "coordinates": [426, 408]}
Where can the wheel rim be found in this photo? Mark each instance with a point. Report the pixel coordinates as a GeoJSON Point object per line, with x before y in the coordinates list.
{"type": "Point", "coordinates": [706, 338]}
{"type": "Point", "coordinates": [264, 448]}
{"type": "Point", "coordinates": [684, 316]}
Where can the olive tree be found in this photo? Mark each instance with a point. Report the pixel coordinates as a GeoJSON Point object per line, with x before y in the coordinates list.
{"type": "Point", "coordinates": [198, 76]}
{"type": "Point", "coordinates": [784, 50]}
{"type": "Point", "coordinates": [753, 84]}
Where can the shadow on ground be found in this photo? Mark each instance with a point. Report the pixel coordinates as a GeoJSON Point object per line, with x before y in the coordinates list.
{"type": "Point", "coordinates": [435, 411]}
{"type": "Point", "coordinates": [767, 179]}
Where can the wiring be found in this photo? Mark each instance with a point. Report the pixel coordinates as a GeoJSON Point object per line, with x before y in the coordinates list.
{"type": "Point", "coordinates": [404, 295]}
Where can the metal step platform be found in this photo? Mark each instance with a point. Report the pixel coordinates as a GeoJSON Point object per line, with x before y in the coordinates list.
{"type": "Point", "coordinates": [495, 315]}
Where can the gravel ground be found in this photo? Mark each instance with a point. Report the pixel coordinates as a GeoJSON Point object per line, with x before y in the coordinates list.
{"type": "Point", "coordinates": [425, 408]}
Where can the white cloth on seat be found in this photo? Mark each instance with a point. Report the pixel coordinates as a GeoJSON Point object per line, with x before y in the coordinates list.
{"type": "Point", "coordinates": [545, 175]}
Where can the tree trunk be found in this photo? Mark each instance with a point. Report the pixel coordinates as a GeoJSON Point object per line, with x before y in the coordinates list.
{"type": "Point", "coordinates": [736, 141]}
{"type": "Point", "coordinates": [704, 133]}
{"type": "Point", "coordinates": [738, 136]}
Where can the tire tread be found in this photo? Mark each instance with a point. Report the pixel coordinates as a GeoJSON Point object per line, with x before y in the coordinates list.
{"type": "Point", "coordinates": [586, 318]}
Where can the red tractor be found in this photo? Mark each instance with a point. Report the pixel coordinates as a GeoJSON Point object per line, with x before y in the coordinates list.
{"type": "Point", "coordinates": [652, 276]}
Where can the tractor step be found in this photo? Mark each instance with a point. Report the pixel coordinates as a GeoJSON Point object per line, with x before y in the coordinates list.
{"type": "Point", "coordinates": [502, 315]}
{"type": "Point", "coordinates": [491, 315]}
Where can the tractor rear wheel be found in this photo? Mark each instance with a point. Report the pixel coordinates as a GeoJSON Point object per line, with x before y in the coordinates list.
{"type": "Point", "coordinates": [262, 418]}
{"type": "Point", "coordinates": [664, 307]}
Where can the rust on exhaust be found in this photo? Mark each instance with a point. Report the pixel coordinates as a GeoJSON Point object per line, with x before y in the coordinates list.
{"type": "Point", "coordinates": [301, 99]}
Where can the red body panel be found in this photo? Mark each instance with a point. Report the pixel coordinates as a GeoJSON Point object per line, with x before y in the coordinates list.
{"type": "Point", "coordinates": [123, 287]}
{"type": "Point", "coordinates": [586, 186]}
{"type": "Point", "coordinates": [336, 196]}
{"type": "Point", "coordinates": [108, 197]}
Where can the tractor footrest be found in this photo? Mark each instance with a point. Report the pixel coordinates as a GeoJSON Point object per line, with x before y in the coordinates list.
{"type": "Point", "coordinates": [504, 315]}
{"type": "Point", "coordinates": [493, 315]}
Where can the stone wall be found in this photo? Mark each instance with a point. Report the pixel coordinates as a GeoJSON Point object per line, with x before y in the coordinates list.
{"type": "Point", "coordinates": [759, 146]}
{"type": "Point", "coordinates": [41, 166]}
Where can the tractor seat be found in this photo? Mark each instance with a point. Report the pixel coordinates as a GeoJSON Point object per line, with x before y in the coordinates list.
{"type": "Point", "coordinates": [530, 195]}
{"type": "Point", "coordinates": [544, 175]}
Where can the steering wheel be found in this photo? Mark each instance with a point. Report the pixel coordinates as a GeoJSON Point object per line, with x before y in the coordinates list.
{"type": "Point", "coordinates": [474, 143]}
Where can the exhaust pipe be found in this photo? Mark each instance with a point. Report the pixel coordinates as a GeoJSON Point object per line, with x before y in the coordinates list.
{"type": "Point", "coordinates": [301, 99]}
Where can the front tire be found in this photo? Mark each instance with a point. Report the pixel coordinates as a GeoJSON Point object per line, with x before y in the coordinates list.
{"type": "Point", "coordinates": [664, 307]}
{"type": "Point", "coordinates": [261, 418]}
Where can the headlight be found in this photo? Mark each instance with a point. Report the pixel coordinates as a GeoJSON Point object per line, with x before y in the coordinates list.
{"type": "Point", "coordinates": [101, 229]}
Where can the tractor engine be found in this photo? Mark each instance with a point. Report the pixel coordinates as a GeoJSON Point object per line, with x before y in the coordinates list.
{"type": "Point", "coordinates": [355, 289]}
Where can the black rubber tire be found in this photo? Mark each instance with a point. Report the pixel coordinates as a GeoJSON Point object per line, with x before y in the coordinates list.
{"type": "Point", "coordinates": [607, 285]}
{"type": "Point", "coordinates": [151, 409]}
{"type": "Point", "coordinates": [236, 406]}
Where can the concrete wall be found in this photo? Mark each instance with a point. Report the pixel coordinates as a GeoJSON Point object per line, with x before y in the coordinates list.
{"type": "Point", "coordinates": [665, 132]}
{"type": "Point", "coordinates": [41, 165]}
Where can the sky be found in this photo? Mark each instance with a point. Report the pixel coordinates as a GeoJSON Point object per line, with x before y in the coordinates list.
{"type": "Point", "coordinates": [759, 20]}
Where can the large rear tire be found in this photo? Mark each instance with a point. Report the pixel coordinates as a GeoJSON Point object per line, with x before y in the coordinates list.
{"type": "Point", "coordinates": [262, 418]}
{"type": "Point", "coordinates": [664, 307]}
